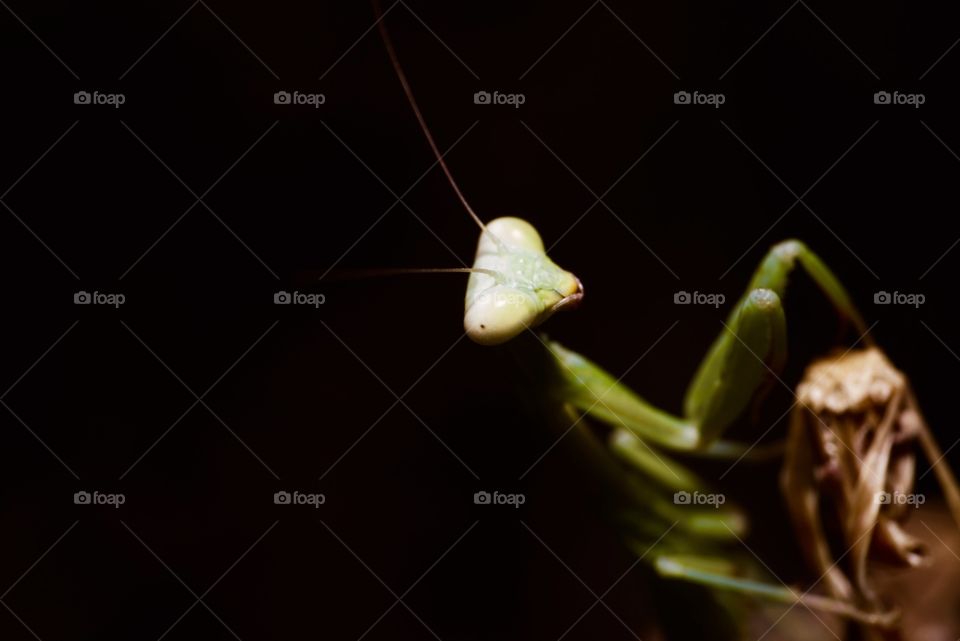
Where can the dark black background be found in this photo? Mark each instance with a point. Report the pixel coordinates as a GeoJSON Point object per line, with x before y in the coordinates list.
{"type": "Point", "coordinates": [315, 380]}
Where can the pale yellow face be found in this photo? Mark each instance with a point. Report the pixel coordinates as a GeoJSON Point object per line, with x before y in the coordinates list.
{"type": "Point", "coordinates": [528, 288]}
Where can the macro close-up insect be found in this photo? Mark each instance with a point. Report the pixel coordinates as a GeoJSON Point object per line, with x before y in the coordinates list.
{"type": "Point", "coordinates": [402, 319]}
{"type": "Point", "coordinates": [514, 287]}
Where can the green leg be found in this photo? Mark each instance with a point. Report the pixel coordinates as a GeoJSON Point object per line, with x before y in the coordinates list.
{"type": "Point", "coordinates": [713, 377]}
{"type": "Point", "coordinates": [590, 389]}
{"type": "Point", "coordinates": [718, 574]}
{"type": "Point", "coordinates": [774, 273]}
{"type": "Point", "coordinates": [731, 375]}
{"type": "Point", "coordinates": [645, 502]}
{"type": "Point", "coordinates": [750, 347]}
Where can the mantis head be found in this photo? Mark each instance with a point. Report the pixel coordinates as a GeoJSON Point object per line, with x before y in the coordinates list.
{"type": "Point", "coordinates": [514, 285]}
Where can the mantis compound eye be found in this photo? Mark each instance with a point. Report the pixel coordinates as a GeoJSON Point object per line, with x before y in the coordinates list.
{"type": "Point", "coordinates": [499, 313]}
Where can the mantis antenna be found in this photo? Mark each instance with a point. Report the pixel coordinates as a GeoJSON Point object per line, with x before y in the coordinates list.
{"type": "Point", "coordinates": [513, 284]}
{"type": "Point", "coordinates": [395, 61]}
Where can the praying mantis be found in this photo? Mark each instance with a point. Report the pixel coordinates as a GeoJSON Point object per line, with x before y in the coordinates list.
{"type": "Point", "coordinates": [514, 286]}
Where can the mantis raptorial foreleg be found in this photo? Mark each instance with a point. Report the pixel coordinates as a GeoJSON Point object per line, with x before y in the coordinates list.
{"type": "Point", "coordinates": [772, 275]}
{"type": "Point", "coordinates": [751, 346]}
